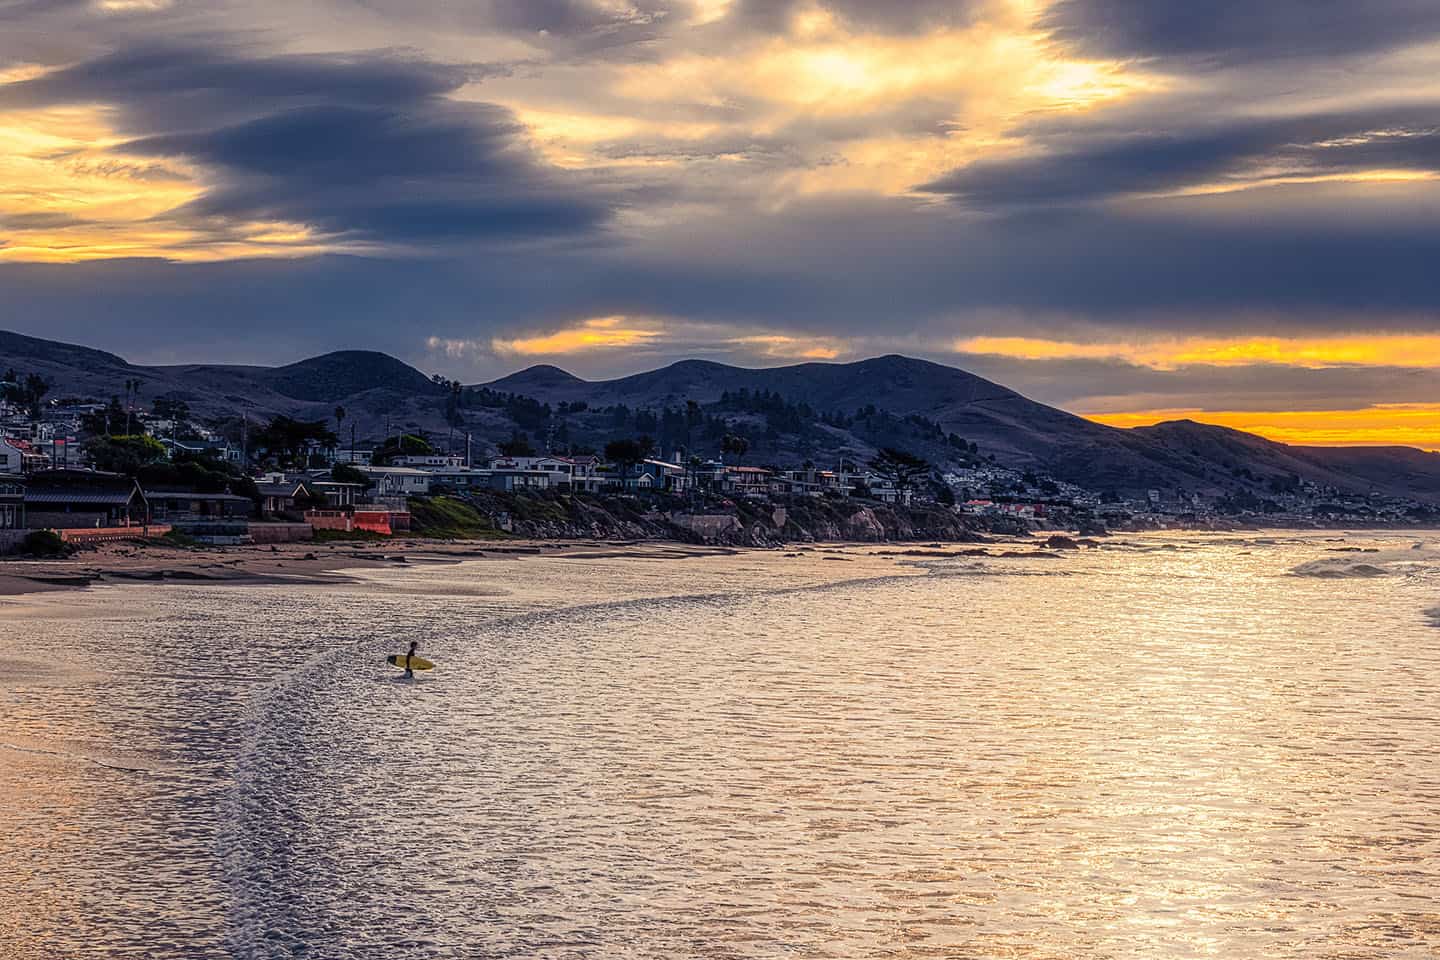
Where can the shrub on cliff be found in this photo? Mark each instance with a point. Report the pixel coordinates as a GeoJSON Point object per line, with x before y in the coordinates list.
{"type": "Point", "coordinates": [448, 518]}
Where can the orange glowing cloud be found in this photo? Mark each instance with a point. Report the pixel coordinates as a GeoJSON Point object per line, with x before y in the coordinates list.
{"type": "Point", "coordinates": [796, 348]}
{"type": "Point", "coordinates": [1407, 424]}
{"type": "Point", "coordinates": [1379, 350]}
{"type": "Point", "coordinates": [67, 194]}
{"type": "Point", "coordinates": [598, 333]}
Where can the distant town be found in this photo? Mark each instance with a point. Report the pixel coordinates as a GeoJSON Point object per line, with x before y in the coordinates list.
{"type": "Point", "coordinates": [83, 470]}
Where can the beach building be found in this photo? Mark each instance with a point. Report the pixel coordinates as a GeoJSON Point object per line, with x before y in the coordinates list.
{"type": "Point", "coordinates": [502, 480]}
{"type": "Point", "coordinates": [885, 490]}
{"type": "Point", "coordinates": [509, 481]}
{"type": "Point", "coordinates": [459, 478]}
{"type": "Point", "coordinates": [747, 481]}
{"type": "Point", "coordinates": [357, 457]}
{"type": "Point", "coordinates": [12, 504]}
{"type": "Point", "coordinates": [428, 461]}
{"type": "Point", "coordinates": [12, 458]}
{"type": "Point", "coordinates": [652, 475]}
{"type": "Point", "coordinates": [282, 495]}
{"type": "Point", "coordinates": [207, 517]}
{"type": "Point", "coordinates": [579, 473]}
{"type": "Point", "coordinates": [335, 494]}
{"type": "Point", "coordinates": [215, 449]}
{"type": "Point", "coordinates": [71, 499]}
{"type": "Point", "coordinates": [398, 481]}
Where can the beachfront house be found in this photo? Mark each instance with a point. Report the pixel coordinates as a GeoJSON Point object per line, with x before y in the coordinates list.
{"type": "Point", "coordinates": [207, 517]}
{"type": "Point", "coordinates": [885, 489]}
{"type": "Point", "coordinates": [578, 473]}
{"type": "Point", "coordinates": [73, 499]}
{"type": "Point", "coordinates": [398, 481]}
{"type": "Point", "coordinates": [282, 496]}
{"type": "Point", "coordinates": [657, 476]}
{"type": "Point", "coordinates": [747, 481]}
{"type": "Point", "coordinates": [12, 504]}
{"type": "Point", "coordinates": [177, 507]}
{"type": "Point", "coordinates": [355, 457]}
{"type": "Point", "coordinates": [458, 478]}
{"type": "Point", "coordinates": [12, 458]}
{"type": "Point", "coordinates": [429, 461]}
{"type": "Point", "coordinates": [216, 449]}
{"type": "Point", "coordinates": [335, 495]}
{"type": "Point", "coordinates": [509, 481]}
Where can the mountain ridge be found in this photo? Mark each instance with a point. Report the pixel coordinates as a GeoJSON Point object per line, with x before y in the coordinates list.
{"type": "Point", "coordinates": [920, 397]}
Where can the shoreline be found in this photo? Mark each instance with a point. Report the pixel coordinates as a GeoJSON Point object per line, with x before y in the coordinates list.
{"type": "Point", "coordinates": [310, 563]}
{"type": "Point", "coordinates": [303, 563]}
{"type": "Point", "coordinates": [320, 563]}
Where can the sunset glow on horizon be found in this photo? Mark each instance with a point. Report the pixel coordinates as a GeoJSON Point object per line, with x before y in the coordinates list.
{"type": "Point", "coordinates": [1408, 425]}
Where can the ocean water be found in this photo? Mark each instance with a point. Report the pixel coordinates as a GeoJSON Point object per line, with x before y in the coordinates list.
{"type": "Point", "coordinates": [1175, 746]}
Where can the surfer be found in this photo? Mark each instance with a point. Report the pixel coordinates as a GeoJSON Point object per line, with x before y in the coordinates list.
{"type": "Point", "coordinates": [413, 645]}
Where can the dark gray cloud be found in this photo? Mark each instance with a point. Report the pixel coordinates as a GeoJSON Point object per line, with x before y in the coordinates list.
{"type": "Point", "coordinates": [890, 16]}
{"type": "Point", "coordinates": [565, 29]}
{"type": "Point", "coordinates": [1227, 32]}
{"type": "Point", "coordinates": [876, 269]}
{"type": "Point", "coordinates": [165, 88]}
{"type": "Point", "coordinates": [364, 147]}
{"type": "Point", "coordinates": [1078, 168]}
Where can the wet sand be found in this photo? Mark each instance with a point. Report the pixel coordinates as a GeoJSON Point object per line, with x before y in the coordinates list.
{"type": "Point", "coordinates": [293, 563]}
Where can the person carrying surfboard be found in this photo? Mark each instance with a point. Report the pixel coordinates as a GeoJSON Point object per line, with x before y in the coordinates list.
{"type": "Point", "coordinates": [414, 644]}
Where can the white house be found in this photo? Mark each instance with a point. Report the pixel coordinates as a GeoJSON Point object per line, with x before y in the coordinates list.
{"type": "Point", "coordinates": [576, 473]}
{"type": "Point", "coordinates": [398, 481]}
{"type": "Point", "coordinates": [429, 461]}
{"type": "Point", "coordinates": [12, 458]}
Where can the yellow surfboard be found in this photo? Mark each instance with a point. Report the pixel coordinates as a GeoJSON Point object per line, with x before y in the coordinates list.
{"type": "Point", "coordinates": [416, 663]}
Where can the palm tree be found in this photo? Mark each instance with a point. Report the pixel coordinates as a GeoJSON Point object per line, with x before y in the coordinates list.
{"type": "Point", "coordinates": [132, 392]}
{"type": "Point", "coordinates": [339, 419]}
{"type": "Point", "coordinates": [736, 444]}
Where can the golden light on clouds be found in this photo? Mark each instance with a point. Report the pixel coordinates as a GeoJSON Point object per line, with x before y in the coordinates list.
{"type": "Point", "coordinates": [1409, 424]}
{"type": "Point", "coordinates": [599, 333]}
{"type": "Point", "coordinates": [792, 348]}
{"type": "Point", "coordinates": [69, 193]}
{"type": "Point", "coordinates": [1398, 350]}
{"type": "Point", "coordinates": [989, 75]}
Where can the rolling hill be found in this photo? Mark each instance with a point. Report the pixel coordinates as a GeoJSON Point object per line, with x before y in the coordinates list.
{"type": "Point", "coordinates": [815, 411]}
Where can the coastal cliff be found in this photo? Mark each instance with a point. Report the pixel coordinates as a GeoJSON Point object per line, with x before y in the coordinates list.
{"type": "Point", "coordinates": [548, 516]}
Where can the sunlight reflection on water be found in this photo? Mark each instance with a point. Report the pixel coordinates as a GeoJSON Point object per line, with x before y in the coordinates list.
{"type": "Point", "coordinates": [1133, 752]}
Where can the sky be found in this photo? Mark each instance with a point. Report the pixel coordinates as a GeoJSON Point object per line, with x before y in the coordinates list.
{"type": "Point", "coordinates": [1134, 209]}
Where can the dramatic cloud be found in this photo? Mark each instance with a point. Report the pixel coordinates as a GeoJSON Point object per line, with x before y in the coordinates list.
{"type": "Point", "coordinates": [1244, 153]}
{"type": "Point", "coordinates": [356, 148]}
{"type": "Point", "coordinates": [1227, 32]}
{"type": "Point", "coordinates": [892, 16]}
{"type": "Point", "coordinates": [1124, 207]}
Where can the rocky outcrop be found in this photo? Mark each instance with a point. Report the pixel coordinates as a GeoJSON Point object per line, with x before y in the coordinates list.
{"type": "Point", "coordinates": [549, 516]}
{"type": "Point", "coordinates": [744, 523]}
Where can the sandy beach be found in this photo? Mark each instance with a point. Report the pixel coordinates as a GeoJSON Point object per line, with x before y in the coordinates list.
{"type": "Point", "coordinates": [316, 563]}
{"type": "Point", "coordinates": [292, 563]}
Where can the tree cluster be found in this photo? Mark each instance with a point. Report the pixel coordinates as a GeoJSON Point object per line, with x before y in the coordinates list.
{"type": "Point", "coordinates": [24, 391]}
{"type": "Point", "coordinates": [287, 441]}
